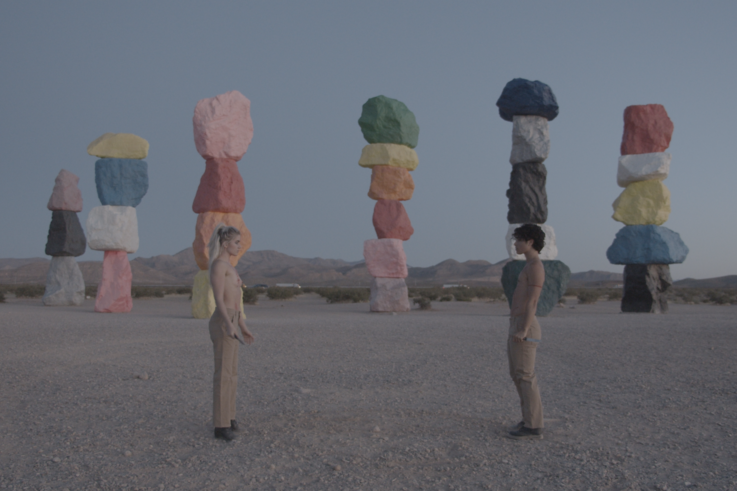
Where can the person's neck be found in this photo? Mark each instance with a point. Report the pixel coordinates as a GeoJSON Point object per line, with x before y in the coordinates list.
{"type": "Point", "coordinates": [532, 255]}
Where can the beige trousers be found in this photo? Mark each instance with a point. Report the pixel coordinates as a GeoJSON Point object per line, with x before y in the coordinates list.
{"type": "Point", "coordinates": [522, 369]}
{"type": "Point", "coordinates": [225, 379]}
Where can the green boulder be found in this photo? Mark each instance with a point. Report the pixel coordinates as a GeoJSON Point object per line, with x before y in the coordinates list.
{"type": "Point", "coordinates": [385, 120]}
{"type": "Point", "coordinates": [557, 275]}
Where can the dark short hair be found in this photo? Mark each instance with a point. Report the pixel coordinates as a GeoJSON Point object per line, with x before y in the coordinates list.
{"type": "Point", "coordinates": [530, 231]}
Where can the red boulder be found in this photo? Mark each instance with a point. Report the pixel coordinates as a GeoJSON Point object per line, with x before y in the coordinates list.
{"type": "Point", "coordinates": [221, 188]}
{"type": "Point", "coordinates": [391, 220]}
{"type": "Point", "coordinates": [647, 129]}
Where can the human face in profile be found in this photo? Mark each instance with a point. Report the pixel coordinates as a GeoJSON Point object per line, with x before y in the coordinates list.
{"type": "Point", "coordinates": [233, 246]}
{"type": "Point", "coordinates": [522, 246]}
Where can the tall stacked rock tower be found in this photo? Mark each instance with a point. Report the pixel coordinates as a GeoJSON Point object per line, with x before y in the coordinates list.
{"type": "Point", "coordinates": [222, 132]}
{"type": "Point", "coordinates": [121, 177]}
{"type": "Point", "coordinates": [529, 106]}
{"type": "Point", "coordinates": [643, 246]}
{"type": "Point", "coordinates": [392, 132]}
{"type": "Point", "coordinates": [66, 240]}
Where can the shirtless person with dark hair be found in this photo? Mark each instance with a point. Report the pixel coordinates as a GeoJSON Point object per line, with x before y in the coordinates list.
{"type": "Point", "coordinates": [524, 331]}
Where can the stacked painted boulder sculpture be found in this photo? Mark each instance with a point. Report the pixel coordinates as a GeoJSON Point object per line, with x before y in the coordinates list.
{"type": "Point", "coordinates": [529, 106]}
{"type": "Point", "coordinates": [66, 240]}
{"type": "Point", "coordinates": [643, 245]}
{"type": "Point", "coordinates": [121, 177]}
{"type": "Point", "coordinates": [392, 132]}
{"type": "Point", "coordinates": [222, 132]}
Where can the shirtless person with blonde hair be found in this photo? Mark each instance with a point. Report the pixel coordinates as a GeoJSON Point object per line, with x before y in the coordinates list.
{"type": "Point", "coordinates": [524, 331]}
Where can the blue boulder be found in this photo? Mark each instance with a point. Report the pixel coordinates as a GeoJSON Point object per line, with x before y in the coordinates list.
{"type": "Point", "coordinates": [647, 244]}
{"type": "Point", "coordinates": [557, 274]}
{"type": "Point", "coordinates": [121, 182]}
{"type": "Point", "coordinates": [522, 97]}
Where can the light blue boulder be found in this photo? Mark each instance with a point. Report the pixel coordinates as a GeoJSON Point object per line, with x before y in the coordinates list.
{"type": "Point", "coordinates": [121, 182]}
{"type": "Point", "coordinates": [647, 244]}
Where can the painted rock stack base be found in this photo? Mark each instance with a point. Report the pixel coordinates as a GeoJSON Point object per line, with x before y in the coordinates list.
{"type": "Point", "coordinates": [121, 178]}
{"type": "Point", "coordinates": [392, 132]}
{"type": "Point", "coordinates": [529, 106]}
{"type": "Point", "coordinates": [643, 246]}
{"type": "Point", "coordinates": [223, 130]}
{"type": "Point", "coordinates": [66, 240]}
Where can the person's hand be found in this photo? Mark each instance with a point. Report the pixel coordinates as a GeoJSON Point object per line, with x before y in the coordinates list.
{"type": "Point", "coordinates": [247, 336]}
{"type": "Point", "coordinates": [232, 331]}
{"type": "Point", "coordinates": [517, 339]}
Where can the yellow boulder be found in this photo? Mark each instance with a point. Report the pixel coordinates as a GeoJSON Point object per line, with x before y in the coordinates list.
{"type": "Point", "coordinates": [203, 300]}
{"type": "Point", "coordinates": [389, 154]}
{"type": "Point", "coordinates": [643, 203]}
{"type": "Point", "coordinates": [119, 146]}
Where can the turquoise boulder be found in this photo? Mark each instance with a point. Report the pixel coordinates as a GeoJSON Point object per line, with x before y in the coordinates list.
{"type": "Point", "coordinates": [121, 182]}
{"type": "Point", "coordinates": [385, 120]}
{"type": "Point", "coordinates": [647, 244]}
{"type": "Point", "coordinates": [557, 275]}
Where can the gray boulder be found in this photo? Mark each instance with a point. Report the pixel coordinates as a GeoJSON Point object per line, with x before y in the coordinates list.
{"type": "Point", "coordinates": [389, 295]}
{"type": "Point", "coordinates": [557, 275]}
{"type": "Point", "coordinates": [645, 287]}
{"type": "Point", "coordinates": [528, 200]}
{"type": "Point", "coordinates": [530, 139]}
{"type": "Point", "coordinates": [66, 237]}
{"type": "Point", "coordinates": [64, 282]}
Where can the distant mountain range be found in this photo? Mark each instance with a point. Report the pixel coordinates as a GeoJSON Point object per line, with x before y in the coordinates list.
{"type": "Point", "coordinates": [271, 267]}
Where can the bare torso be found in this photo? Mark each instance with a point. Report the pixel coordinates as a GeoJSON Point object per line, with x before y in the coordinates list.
{"type": "Point", "coordinates": [232, 287]}
{"type": "Point", "coordinates": [521, 292]}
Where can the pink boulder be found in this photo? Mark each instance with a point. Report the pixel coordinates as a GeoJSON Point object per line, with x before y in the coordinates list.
{"type": "Point", "coordinates": [391, 220]}
{"type": "Point", "coordinates": [114, 291]}
{"type": "Point", "coordinates": [222, 126]}
{"type": "Point", "coordinates": [389, 295]}
{"type": "Point", "coordinates": [385, 258]}
{"type": "Point", "coordinates": [647, 129]}
{"type": "Point", "coordinates": [221, 188]}
{"type": "Point", "coordinates": [66, 196]}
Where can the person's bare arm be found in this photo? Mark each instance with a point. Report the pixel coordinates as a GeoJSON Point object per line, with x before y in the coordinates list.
{"type": "Point", "coordinates": [247, 336]}
{"type": "Point", "coordinates": [217, 280]}
{"type": "Point", "coordinates": [535, 279]}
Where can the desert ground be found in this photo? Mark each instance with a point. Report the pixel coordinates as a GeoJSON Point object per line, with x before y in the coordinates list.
{"type": "Point", "coordinates": [332, 397]}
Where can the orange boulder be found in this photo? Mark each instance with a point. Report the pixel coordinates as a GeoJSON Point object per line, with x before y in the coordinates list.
{"type": "Point", "coordinates": [392, 183]}
{"type": "Point", "coordinates": [206, 223]}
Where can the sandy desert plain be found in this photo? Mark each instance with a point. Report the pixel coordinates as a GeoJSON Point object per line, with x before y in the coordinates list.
{"type": "Point", "coordinates": [332, 397]}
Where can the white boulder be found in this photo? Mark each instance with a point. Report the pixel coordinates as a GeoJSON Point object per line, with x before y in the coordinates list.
{"type": "Point", "coordinates": [530, 139]}
{"type": "Point", "coordinates": [643, 167]}
{"type": "Point", "coordinates": [64, 282]}
{"type": "Point", "coordinates": [389, 295]}
{"type": "Point", "coordinates": [550, 250]}
{"type": "Point", "coordinates": [112, 228]}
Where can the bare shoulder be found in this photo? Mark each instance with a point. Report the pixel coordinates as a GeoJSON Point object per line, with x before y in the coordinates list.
{"type": "Point", "coordinates": [219, 267]}
{"type": "Point", "coordinates": [536, 272]}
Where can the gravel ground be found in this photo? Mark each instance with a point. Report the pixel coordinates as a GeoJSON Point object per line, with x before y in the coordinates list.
{"type": "Point", "coordinates": [334, 397]}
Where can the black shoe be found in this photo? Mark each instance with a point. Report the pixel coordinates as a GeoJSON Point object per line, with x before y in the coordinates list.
{"type": "Point", "coordinates": [518, 426]}
{"type": "Point", "coordinates": [224, 433]}
{"type": "Point", "coordinates": [234, 425]}
{"type": "Point", "coordinates": [527, 433]}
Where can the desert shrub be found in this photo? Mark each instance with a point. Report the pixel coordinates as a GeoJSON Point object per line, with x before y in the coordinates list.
{"type": "Point", "coordinates": [462, 294]}
{"type": "Point", "coordinates": [486, 292]}
{"type": "Point", "coordinates": [446, 298]}
{"type": "Point", "coordinates": [280, 293]}
{"type": "Point", "coordinates": [344, 295]}
{"type": "Point", "coordinates": [587, 296]}
{"type": "Point", "coordinates": [29, 291]}
{"type": "Point", "coordinates": [431, 294]}
{"type": "Point", "coordinates": [615, 294]}
{"type": "Point", "coordinates": [147, 291]}
{"type": "Point", "coordinates": [719, 297]}
{"type": "Point", "coordinates": [90, 291]}
{"type": "Point", "coordinates": [250, 296]}
{"type": "Point", "coordinates": [685, 295]}
{"type": "Point", "coordinates": [423, 302]}
{"type": "Point", "coordinates": [562, 300]}
{"type": "Point", "coordinates": [2, 297]}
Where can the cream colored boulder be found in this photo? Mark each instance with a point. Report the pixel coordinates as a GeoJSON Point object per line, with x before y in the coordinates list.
{"type": "Point", "coordinates": [643, 167]}
{"type": "Point", "coordinates": [119, 146]}
{"type": "Point", "coordinates": [112, 228]}
{"type": "Point", "coordinates": [390, 154]}
{"type": "Point", "coordinates": [550, 250]}
{"type": "Point", "coordinates": [643, 203]}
